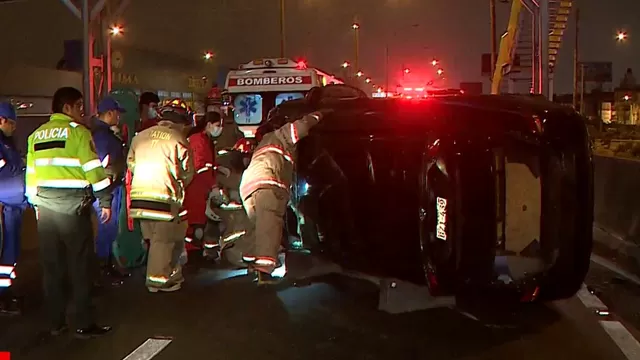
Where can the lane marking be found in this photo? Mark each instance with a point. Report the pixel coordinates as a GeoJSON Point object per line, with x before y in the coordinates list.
{"type": "Point", "coordinates": [613, 267]}
{"type": "Point", "coordinates": [622, 337]}
{"type": "Point", "coordinates": [149, 349]}
{"type": "Point", "coordinates": [589, 300]}
{"type": "Point", "coordinates": [625, 341]}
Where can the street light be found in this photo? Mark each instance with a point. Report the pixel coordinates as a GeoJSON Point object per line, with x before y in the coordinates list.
{"type": "Point", "coordinates": [345, 64]}
{"type": "Point", "coordinates": [434, 62]}
{"type": "Point", "coordinates": [116, 30]}
{"type": "Point", "coordinates": [367, 80]}
{"type": "Point", "coordinates": [356, 43]}
{"type": "Point", "coordinates": [359, 74]}
{"type": "Point", "coordinates": [208, 55]}
{"type": "Point", "coordinates": [621, 36]}
{"type": "Point", "coordinates": [440, 72]}
{"type": "Point", "coordinates": [407, 70]}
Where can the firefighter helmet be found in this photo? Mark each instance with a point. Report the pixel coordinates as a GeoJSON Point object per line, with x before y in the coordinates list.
{"type": "Point", "coordinates": [177, 110]}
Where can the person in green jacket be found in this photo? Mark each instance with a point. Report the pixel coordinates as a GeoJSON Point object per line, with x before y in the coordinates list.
{"type": "Point", "coordinates": [64, 176]}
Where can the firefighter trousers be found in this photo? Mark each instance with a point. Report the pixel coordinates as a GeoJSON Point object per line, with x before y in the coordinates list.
{"type": "Point", "coordinates": [66, 250]}
{"type": "Point", "coordinates": [166, 243]}
{"type": "Point", "coordinates": [266, 209]}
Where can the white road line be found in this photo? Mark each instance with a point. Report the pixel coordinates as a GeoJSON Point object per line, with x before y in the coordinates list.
{"type": "Point", "coordinates": [613, 267]}
{"type": "Point", "coordinates": [622, 337]}
{"type": "Point", "coordinates": [618, 333]}
{"type": "Point", "coordinates": [148, 349]}
{"type": "Point", "coordinates": [589, 300]}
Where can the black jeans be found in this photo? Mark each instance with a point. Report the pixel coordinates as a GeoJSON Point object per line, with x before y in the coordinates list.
{"type": "Point", "coordinates": [66, 253]}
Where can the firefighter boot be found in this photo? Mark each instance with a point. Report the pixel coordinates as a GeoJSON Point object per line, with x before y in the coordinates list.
{"type": "Point", "coordinates": [10, 305]}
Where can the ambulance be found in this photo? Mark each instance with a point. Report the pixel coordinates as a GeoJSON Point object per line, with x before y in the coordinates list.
{"type": "Point", "coordinates": [258, 86]}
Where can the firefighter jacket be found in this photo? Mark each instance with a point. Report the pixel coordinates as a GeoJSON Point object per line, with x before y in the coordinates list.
{"type": "Point", "coordinates": [204, 180]}
{"type": "Point", "coordinates": [63, 167]}
{"type": "Point", "coordinates": [110, 150]}
{"type": "Point", "coordinates": [161, 164]}
{"type": "Point", "coordinates": [272, 163]}
{"type": "Point", "coordinates": [12, 172]}
{"type": "Point", "coordinates": [146, 124]}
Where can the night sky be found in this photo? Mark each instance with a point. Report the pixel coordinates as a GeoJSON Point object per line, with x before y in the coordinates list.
{"type": "Point", "coordinates": [454, 31]}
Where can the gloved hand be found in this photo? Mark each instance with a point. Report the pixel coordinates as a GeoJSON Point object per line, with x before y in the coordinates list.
{"type": "Point", "coordinates": [320, 114]}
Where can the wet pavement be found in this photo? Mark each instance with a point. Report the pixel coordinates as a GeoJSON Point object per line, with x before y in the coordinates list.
{"type": "Point", "coordinates": [220, 314]}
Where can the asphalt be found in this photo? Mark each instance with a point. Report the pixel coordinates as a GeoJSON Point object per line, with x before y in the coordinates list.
{"type": "Point", "coordinates": [220, 314]}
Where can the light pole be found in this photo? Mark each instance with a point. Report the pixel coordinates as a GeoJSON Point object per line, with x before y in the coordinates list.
{"type": "Point", "coordinates": [356, 43]}
{"type": "Point", "coordinates": [282, 30]}
{"type": "Point", "coordinates": [494, 41]}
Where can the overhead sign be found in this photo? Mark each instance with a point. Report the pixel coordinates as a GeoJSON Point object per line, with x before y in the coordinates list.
{"type": "Point", "coordinates": [599, 72]}
{"type": "Point", "coordinates": [270, 80]}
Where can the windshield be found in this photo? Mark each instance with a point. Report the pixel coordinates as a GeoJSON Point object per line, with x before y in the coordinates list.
{"type": "Point", "coordinates": [251, 108]}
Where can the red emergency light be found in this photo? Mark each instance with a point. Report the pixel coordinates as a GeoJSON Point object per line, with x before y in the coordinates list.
{"type": "Point", "coordinates": [301, 65]}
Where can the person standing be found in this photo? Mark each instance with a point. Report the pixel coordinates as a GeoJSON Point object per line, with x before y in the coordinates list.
{"type": "Point", "coordinates": [195, 202]}
{"type": "Point", "coordinates": [161, 164]}
{"type": "Point", "coordinates": [63, 177]}
{"type": "Point", "coordinates": [264, 190]}
{"type": "Point", "coordinates": [12, 206]}
{"type": "Point", "coordinates": [110, 150]}
{"type": "Point", "coordinates": [148, 110]}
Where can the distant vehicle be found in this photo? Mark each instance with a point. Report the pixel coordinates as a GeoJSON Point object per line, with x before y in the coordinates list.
{"type": "Point", "coordinates": [466, 194]}
{"type": "Point", "coordinates": [256, 87]}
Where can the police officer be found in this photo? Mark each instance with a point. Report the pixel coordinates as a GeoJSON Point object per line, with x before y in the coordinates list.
{"type": "Point", "coordinates": [162, 166]}
{"type": "Point", "coordinates": [264, 191]}
{"type": "Point", "coordinates": [12, 205]}
{"type": "Point", "coordinates": [110, 149]}
{"type": "Point", "coordinates": [63, 174]}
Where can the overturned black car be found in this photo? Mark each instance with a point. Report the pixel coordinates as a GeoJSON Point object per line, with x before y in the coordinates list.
{"type": "Point", "coordinates": [461, 193]}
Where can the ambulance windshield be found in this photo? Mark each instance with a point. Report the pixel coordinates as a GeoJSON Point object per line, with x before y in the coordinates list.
{"type": "Point", "coordinates": [252, 108]}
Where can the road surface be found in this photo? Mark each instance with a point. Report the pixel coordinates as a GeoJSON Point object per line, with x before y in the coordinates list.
{"type": "Point", "coordinates": [220, 314]}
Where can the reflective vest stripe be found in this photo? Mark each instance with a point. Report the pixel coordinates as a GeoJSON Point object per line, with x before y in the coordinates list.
{"type": "Point", "coordinates": [2, 163]}
{"type": "Point", "coordinates": [101, 185]}
{"type": "Point", "coordinates": [64, 184]}
{"type": "Point", "coordinates": [61, 161]}
{"type": "Point", "coordinates": [91, 164]}
{"type": "Point", "coordinates": [105, 161]}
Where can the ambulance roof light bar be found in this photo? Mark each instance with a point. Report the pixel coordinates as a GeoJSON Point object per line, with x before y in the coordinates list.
{"type": "Point", "coordinates": [271, 63]}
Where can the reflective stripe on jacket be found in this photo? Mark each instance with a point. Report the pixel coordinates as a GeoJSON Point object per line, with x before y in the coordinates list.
{"type": "Point", "coordinates": [162, 166]}
{"type": "Point", "coordinates": [273, 161]}
{"type": "Point", "coordinates": [61, 156]}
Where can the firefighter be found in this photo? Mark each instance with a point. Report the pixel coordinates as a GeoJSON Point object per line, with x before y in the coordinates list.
{"type": "Point", "coordinates": [12, 205]}
{"type": "Point", "coordinates": [227, 203]}
{"type": "Point", "coordinates": [63, 174]}
{"type": "Point", "coordinates": [148, 110]}
{"type": "Point", "coordinates": [161, 164]}
{"type": "Point", "coordinates": [204, 180]}
{"type": "Point", "coordinates": [264, 191]}
{"type": "Point", "coordinates": [110, 149]}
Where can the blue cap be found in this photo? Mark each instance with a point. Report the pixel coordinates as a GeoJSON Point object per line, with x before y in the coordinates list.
{"type": "Point", "coordinates": [7, 111]}
{"type": "Point", "coordinates": [109, 104]}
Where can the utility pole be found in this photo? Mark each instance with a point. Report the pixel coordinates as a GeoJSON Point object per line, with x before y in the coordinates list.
{"type": "Point", "coordinates": [494, 43]}
{"type": "Point", "coordinates": [576, 60]}
{"type": "Point", "coordinates": [282, 29]}
{"type": "Point", "coordinates": [356, 42]}
{"type": "Point", "coordinates": [582, 88]}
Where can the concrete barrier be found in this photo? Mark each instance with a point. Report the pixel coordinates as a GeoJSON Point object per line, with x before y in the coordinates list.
{"type": "Point", "coordinates": [617, 197]}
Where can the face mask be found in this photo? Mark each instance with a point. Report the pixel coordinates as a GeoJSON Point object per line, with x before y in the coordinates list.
{"type": "Point", "coordinates": [216, 131]}
{"type": "Point", "coordinates": [152, 113]}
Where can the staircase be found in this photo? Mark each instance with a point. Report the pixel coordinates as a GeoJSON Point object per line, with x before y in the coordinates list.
{"type": "Point", "coordinates": [518, 56]}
